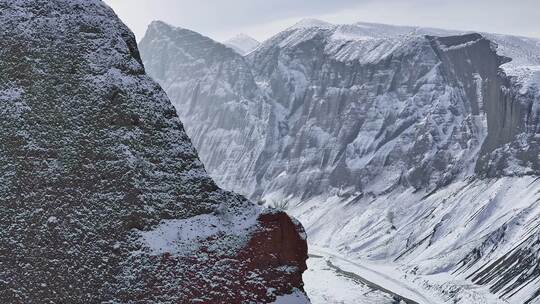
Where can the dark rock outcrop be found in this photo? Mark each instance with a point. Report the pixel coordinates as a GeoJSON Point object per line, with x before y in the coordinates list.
{"type": "Point", "coordinates": [94, 161]}
{"type": "Point", "coordinates": [269, 264]}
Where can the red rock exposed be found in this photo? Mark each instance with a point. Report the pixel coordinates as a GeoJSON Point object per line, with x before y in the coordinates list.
{"type": "Point", "coordinates": [270, 264]}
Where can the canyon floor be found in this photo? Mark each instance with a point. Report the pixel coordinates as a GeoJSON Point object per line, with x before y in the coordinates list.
{"type": "Point", "coordinates": [334, 278]}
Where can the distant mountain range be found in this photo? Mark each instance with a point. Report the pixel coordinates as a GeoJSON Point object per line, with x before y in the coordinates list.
{"type": "Point", "coordinates": [414, 146]}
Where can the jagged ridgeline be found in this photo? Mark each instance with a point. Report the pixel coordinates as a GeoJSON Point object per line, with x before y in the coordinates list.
{"type": "Point", "coordinates": [319, 108]}
{"type": "Point", "coordinates": [102, 196]}
{"type": "Point", "coordinates": [350, 123]}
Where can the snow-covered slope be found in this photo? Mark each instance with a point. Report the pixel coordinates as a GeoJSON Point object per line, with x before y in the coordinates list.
{"type": "Point", "coordinates": [484, 231]}
{"type": "Point", "coordinates": [242, 43]}
{"type": "Point", "coordinates": [100, 186]}
{"type": "Point", "coordinates": [400, 144]}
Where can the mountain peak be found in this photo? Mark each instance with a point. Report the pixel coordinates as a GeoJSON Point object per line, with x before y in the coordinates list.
{"type": "Point", "coordinates": [311, 22]}
{"type": "Point", "coordinates": [243, 36]}
{"type": "Point", "coordinates": [157, 24]}
{"type": "Point", "coordinates": [242, 43]}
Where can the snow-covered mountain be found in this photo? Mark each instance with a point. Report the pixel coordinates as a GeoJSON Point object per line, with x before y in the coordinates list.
{"type": "Point", "coordinates": [414, 146]}
{"type": "Point", "coordinates": [103, 197]}
{"type": "Point", "coordinates": [242, 43]}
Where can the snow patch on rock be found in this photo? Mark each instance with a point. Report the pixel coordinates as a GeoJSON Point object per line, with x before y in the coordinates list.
{"type": "Point", "coordinates": [185, 236]}
{"type": "Point", "coordinates": [297, 297]}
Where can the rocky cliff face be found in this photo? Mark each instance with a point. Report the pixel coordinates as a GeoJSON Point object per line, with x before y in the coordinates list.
{"type": "Point", "coordinates": [408, 145]}
{"type": "Point", "coordinates": [103, 196]}
{"type": "Point", "coordinates": [218, 88]}
{"type": "Point", "coordinates": [401, 110]}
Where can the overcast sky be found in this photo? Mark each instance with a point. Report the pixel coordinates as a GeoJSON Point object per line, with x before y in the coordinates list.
{"type": "Point", "coordinates": [221, 19]}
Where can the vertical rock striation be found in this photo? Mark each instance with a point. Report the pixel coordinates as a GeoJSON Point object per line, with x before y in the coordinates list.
{"type": "Point", "coordinates": [373, 105]}
{"type": "Point", "coordinates": [411, 145]}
